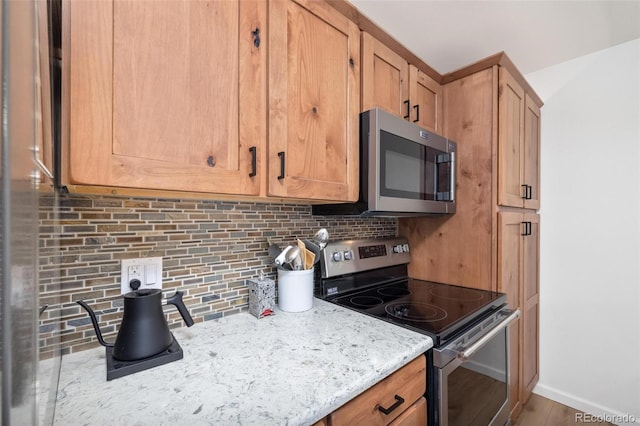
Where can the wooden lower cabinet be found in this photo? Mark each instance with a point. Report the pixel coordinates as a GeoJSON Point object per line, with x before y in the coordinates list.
{"type": "Point", "coordinates": [518, 277]}
{"type": "Point", "coordinates": [414, 415]}
{"type": "Point", "coordinates": [407, 385]}
{"type": "Point", "coordinates": [530, 305]}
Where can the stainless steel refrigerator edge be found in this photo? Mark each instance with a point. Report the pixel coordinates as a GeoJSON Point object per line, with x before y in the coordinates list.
{"type": "Point", "coordinates": [21, 133]}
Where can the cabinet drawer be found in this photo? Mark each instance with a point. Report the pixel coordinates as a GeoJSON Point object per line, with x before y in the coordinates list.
{"type": "Point", "coordinates": [414, 415]}
{"type": "Point", "coordinates": [408, 383]}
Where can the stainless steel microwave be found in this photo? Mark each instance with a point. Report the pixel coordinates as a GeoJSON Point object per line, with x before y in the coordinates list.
{"type": "Point", "coordinates": [405, 170]}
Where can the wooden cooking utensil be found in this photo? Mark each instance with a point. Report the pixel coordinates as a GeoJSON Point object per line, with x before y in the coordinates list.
{"type": "Point", "coordinates": [303, 253]}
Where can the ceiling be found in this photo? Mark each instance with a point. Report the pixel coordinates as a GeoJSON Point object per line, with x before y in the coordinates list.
{"type": "Point", "coordinates": [535, 34]}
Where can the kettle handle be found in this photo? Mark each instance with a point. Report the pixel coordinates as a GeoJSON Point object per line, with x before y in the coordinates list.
{"type": "Point", "coordinates": [176, 300]}
{"type": "Point", "coordinates": [95, 323]}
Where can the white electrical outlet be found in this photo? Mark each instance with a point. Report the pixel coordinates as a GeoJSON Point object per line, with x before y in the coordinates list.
{"type": "Point", "coordinates": [147, 270]}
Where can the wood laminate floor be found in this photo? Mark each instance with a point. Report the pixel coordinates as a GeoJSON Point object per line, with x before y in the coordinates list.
{"type": "Point", "coordinates": [540, 411]}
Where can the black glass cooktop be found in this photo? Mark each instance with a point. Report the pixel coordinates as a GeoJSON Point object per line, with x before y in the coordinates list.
{"type": "Point", "coordinates": [440, 310]}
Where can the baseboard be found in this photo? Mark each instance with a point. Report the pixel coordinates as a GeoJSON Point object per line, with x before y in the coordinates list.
{"type": "Point", "coordinates": [596, 410]}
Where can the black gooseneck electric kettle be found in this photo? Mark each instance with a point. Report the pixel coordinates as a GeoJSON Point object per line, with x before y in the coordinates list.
{"type": "Point", "coordinates": [144, 331]}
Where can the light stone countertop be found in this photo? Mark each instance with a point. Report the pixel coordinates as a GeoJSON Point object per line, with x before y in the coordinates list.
{"type": "Point", "coordinates": [286, 369]}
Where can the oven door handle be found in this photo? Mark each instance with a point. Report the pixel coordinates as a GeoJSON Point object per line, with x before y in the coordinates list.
{"type": "Point", "coordinates": [468, 352]}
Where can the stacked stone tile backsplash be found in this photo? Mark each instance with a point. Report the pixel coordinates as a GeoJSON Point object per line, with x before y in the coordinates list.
{"type": "Point", "coordinates": [209, 249]}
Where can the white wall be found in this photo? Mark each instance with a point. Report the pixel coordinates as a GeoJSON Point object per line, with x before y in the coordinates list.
{"type": "Point", "coordinates": [590, 232]}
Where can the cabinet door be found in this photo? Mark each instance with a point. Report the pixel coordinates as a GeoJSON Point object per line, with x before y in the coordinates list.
{"type": "Point", "coordinates": [532, 153]}
{"type": "Point", "coordinates": [166, 95]}
{"type": "Point", "coordinates": [530, 305]}
{"type": "Point", "coordinates": [314, 101]}
{"type": "Point", "coordinates": [510, 230]}
{"type": "Point", "coordinates": [510, 141]}
{"type": "Point", "coordinates": [385, 78]}
{"type": "Point", "coordinates": [426, 100]}
{"type": "Point", "coordinates": [518, 276]}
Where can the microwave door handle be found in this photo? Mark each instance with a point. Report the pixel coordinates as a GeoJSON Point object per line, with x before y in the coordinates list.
{"type": "Point", "coordinates": [450, 194]}
{"type": "Point", "coordinates": [468, 352]}
{"type": "Point", "coordinates": [452, 176]}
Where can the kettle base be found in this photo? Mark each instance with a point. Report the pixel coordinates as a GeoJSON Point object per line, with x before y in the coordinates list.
{"type": "Point", "coordinates": [116, 368]}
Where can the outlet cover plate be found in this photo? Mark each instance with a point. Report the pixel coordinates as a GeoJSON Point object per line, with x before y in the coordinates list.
{"type": "Point", "coordinates": [147, 269]}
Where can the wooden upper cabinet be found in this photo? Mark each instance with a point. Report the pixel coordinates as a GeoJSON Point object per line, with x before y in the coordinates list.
{"type": "Point", "coordinates": [425, 95]}
{"type": "Point", "coordinates": [391, 83]}
{"type": "Point", "coordinates": [314, 101]}
{"type": "Point", "coordinates": [532, 153]}
{"type": "Point", "coordinates": [385, 78]}
{"type": "Point", "coordinates": [518, 145]}
{"type": "Point", "coordinates": [510, 141]}
{"type": "Point", "coordinates": [167, 95]}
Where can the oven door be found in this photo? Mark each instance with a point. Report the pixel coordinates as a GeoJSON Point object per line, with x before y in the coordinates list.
{"type": "Point", "coordinates": [474, 385]}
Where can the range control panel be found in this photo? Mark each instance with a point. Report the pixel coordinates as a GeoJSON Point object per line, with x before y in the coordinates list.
{"type": "Point", "coordinates": [352, 256]}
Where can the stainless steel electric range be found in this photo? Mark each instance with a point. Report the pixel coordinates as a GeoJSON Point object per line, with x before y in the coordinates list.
{"type": "Point", "coordinates": [468, 367]}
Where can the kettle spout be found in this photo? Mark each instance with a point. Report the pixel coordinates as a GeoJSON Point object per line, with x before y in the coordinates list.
{"type": "Point", "coordinates": [176, 300]}
{"type": "Point", "coordinates": [94, 321]}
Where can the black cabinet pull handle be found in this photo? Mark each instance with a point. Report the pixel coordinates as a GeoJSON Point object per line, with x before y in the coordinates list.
{"type": "Point", "coordinates": [387, 411]}
{"type": "Point", "coordinates": [256, 37]}
{"type": "Point", "coordinates": [529, 228]}
{"type": "Point", "coordinates": [524, 196]}
{"type": "Point", "coordinates": [529, 188]}
{"type": "Point", "coordinates": [211, 161]}
{"type": "Point", "coordinates": [408, 104]}
{"type": "Point", "coordinates": [417, 108]}
{"type": "Point", "coordinates": [281, 155]}
{"type": "Point", "coordinates": [252, 150]}
{"type": "Point", "coordinates": [524, 232]}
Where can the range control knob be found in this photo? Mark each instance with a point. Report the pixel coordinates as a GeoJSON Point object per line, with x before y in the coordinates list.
{"type": "Point", "coordinates": [337, 256]}
{"type": "Point", "coordinates": [397, 249]}
{"type": "Point", "coordinates": [405, 248]}
{"type": "Point", "coordinates": [348, 255]}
